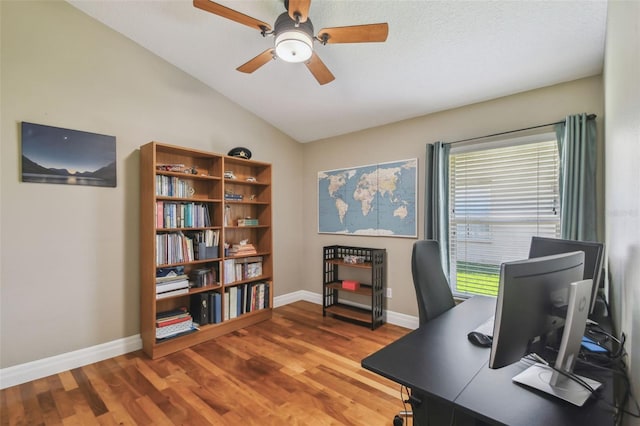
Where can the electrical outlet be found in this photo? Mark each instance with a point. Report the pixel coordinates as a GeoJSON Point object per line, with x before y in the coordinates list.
{"type": "Point", "coordinates": [389, 293]}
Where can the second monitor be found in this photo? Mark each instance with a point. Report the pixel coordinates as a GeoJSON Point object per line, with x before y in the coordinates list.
{"type": "Point", "coordinates": [593, 258]}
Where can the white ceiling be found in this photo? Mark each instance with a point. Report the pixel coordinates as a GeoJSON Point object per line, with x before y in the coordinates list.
{"type": "Point", "coordinates": [439, 55]}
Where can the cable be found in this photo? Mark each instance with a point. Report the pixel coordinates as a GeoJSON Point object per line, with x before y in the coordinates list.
{"type": "Point", "coordinates": [453, 418]}
{"type": "Point", "coordinates": [614, 363]}
{"type": "Point", "coordinates": [404, 389]}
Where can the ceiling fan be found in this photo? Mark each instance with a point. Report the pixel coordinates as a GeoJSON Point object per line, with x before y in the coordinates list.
{"type": "Point", "coordinates": [294, 37]}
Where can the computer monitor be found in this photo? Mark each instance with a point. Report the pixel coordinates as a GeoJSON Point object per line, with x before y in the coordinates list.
{"type": "Point", "coordinates": [593, 258]}
{"type": "Point", "coordinates": [537, 297]}
{"type": "Point", "coordinates": [532, 299]}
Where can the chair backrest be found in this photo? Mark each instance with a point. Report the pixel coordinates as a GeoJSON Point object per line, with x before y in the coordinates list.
{"type": "Point", "coordinates": [431, 285]}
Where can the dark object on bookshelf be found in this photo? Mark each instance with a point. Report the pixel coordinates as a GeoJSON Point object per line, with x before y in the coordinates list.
{"type": "Point", "coordinates": [240, 152]}
{"type": "Point", "coordinates": [206, 252]}
{"type": "Point", "coordinates": [203, 277]}
{"type": "Point", "coordinates": [200, 308]}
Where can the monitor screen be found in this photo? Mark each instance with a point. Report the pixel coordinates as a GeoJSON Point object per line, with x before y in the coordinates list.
{"type": "Point", "coordinates": [532, 302]}
{"type": "Point", "coordinates": [593, 257]}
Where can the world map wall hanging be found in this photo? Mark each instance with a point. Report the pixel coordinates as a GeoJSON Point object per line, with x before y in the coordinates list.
{"type": "Point", "coordinates": [374, 200]}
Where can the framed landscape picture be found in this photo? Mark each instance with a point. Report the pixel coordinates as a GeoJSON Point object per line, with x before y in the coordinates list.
{"type": "Point", "coordinates": [64, 156]}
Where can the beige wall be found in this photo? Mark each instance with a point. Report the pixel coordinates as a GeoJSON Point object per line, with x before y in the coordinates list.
{"type": "Point", "coordinates": [622, 102]}
{"type": "Point", "coordinates": [69, 271]}
{"type": "Point", "coordinates": [408, 139]}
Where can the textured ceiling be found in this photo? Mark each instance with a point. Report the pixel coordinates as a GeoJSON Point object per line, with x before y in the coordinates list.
{"type": "Point", "coordinates": [438, 55]}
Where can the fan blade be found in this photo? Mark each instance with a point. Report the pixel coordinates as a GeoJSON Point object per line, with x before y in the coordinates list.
{"type": "Point", "coordinates": [319, 69]}
{"type": "Point", "coordinates": [255, 63]}
{"type": "Point", "coordinates": [300, 7]}
{"type": "Point", "coordinates": [354, 34]}
{"type": "Point", "coordinates": [225, 12]}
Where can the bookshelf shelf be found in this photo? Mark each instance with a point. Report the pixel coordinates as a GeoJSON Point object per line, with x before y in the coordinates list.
{"type": "Point", "coordinates": [369, 309]}
{"type": "Point", "coordinates": [182, 178]}
{"type": "Point", "coordinates": [365, 290]}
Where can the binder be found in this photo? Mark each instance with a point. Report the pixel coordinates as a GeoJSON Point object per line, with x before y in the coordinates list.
{"type": "Point", "coordinates": [200, 308]}
{"type": "Point", "coordinates": [215, 307]}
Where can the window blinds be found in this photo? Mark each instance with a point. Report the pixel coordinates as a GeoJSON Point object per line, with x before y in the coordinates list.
{"type": "Point", "coordinates": [499, 199]}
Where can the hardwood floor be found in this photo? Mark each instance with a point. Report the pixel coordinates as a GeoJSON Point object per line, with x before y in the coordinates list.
{"type": "Point", "coordinates": [296, 369]}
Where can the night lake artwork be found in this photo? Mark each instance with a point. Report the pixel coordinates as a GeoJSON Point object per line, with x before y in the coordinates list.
{"type": "Point", "coordinates": [64, 156]}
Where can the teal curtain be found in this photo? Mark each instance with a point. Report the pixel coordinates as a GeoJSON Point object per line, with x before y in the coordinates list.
{"type": "Point", "coordinates": [436, 217]}
{"type": "Point", "coordinates": [577, 148]}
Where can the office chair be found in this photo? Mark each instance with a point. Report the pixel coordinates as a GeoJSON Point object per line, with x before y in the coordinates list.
{"type": "Point", "coordinates": [431, 285]}
{"type": "Point", "coordinates": [433, 294]}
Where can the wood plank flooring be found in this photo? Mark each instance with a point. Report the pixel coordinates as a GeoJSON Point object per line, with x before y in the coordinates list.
{"type": "Point", "coordinates": [296, 369]}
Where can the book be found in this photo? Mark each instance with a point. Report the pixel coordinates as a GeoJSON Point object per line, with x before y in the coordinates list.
{"type": "Point", "coordinates": [175, 330]}
{"type": "Point", "coordinates": [169, 321]}
{"type": "Point", "coordinates": [225, 306]}
{"type": "Point", "coordinates": [172, 312]}
{"type": "Point", "coordinates": [233, 302]}
{"type": "Point", "coordinates": [171, 278]}
{"type": "Point", "coordinates": [172, 293]}
{"type": "Point", "coordinates": [170, 330]}
{"type": "Point", "coordinates": [183, 333]}
{"type": "Point", "coordinates": [165, 286]}
{"type": "Point", "coordinates": [159, 214]}
{"type": "Point", "coordinates": [240, 304]}
{"type": "Point", "coordinates": [260, 301]}
{"type": "Point", "coordinates": [215, 307]}
{"type": "Point", "coordinates": [229, 271]}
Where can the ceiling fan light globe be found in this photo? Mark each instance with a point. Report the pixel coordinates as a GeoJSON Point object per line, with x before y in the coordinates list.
{"type": "Point", "coordinates": [294, 46]}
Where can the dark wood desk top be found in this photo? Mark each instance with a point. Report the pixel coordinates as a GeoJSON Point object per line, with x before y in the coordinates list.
{"type": "Point", "coordinates": [493, 397]}
{"type": "Point", "coordinates": [423, 359]}
{"type": "Point", "coordinates": [439, 361]}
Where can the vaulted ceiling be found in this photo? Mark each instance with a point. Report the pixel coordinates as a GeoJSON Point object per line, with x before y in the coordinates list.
{"type": "Point", "coordinates": [438, 55]}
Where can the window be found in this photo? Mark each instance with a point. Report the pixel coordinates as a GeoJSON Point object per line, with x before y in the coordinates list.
{"type": "Point", "coordinates": [500, 195]}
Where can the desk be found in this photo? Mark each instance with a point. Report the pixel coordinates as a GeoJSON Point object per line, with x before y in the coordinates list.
{"type": "Point", "coordinates": [437, 362]}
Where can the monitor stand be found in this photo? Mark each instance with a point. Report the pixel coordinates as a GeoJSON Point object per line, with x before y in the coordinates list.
{"type": "Point", "coordinates": [545, 378]}
{"type": "Point", "coordinates": [538, 376]}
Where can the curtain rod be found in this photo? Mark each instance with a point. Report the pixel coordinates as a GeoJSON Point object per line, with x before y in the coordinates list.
{"type": "Point", "coordinates": [589, 117]}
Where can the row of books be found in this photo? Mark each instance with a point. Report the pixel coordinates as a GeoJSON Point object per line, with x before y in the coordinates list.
{"type": "Point", "coordinates": [182, 215]}
{"type": "Point", "coordinates": [208, 237]}
{"type": "Point", "coordinates": [213, 307]}
{"type": "Point", "coordinates": [229, 196]}
{"type": "Point", "coordinates": [179, 247]}
{"type": "Point", "coordinates": [171, 186]}
{"type": "Point", "coordinates": [173, 323]}
{"type": "Point", "coordinates": [242, 269]}
{"type": "Point", "coordinates": [245, 298]}
{"type": "Point", "coordinates": [174, 247]}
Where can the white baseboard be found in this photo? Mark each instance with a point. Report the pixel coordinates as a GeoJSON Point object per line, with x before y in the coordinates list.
{"type": "Point", "coordinates": [26, 372]}
{"type": "Point", "coordinates": [395, 318]}
{"type": "Point", "coordinates": [22, 373]}
{"type": "Point", "coordinates": [297, 296]}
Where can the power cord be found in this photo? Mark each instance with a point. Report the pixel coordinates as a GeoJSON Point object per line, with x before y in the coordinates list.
{"type": "Point", "coordinates": [398, 420]}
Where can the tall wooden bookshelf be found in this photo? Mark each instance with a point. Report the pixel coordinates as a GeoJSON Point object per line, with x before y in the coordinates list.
{"type": "Point", "coordinates": [235, 195]}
